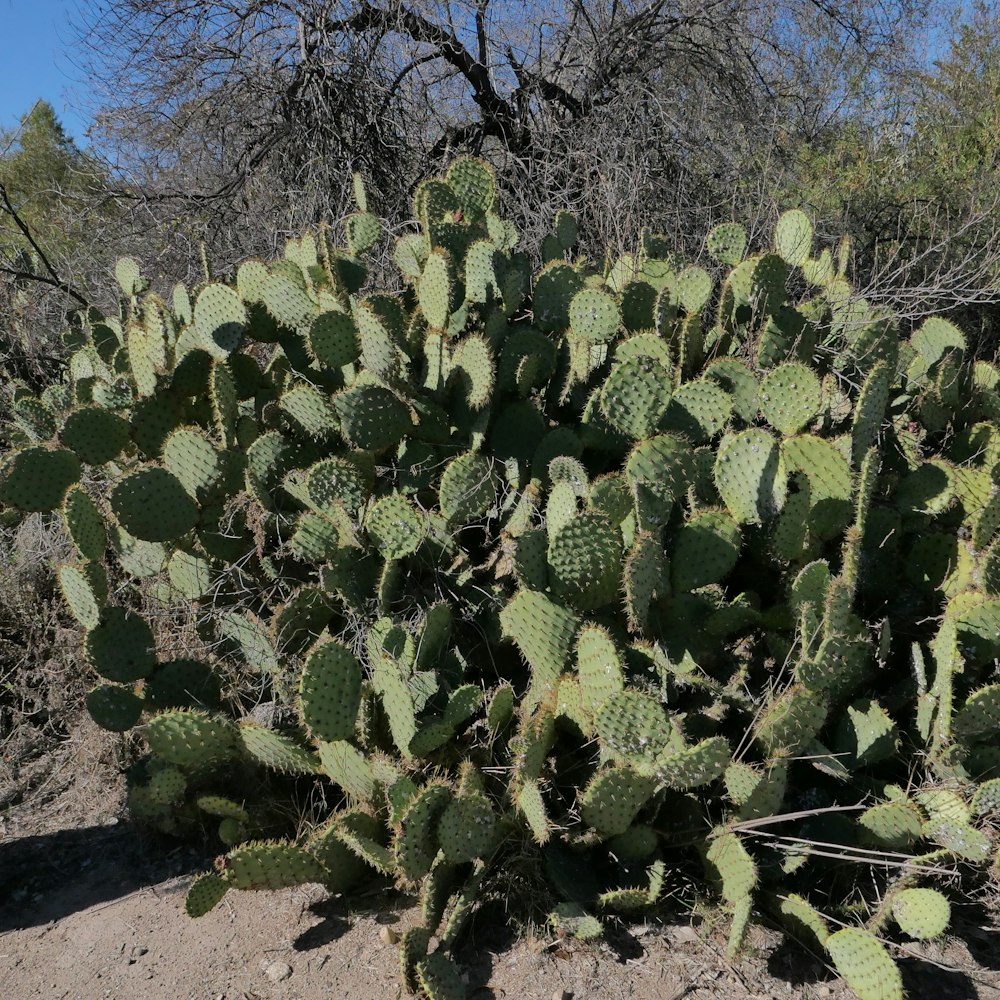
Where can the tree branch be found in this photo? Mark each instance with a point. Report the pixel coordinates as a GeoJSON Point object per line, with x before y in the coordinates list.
{"type": "Point", "coordinates": [54, 280]}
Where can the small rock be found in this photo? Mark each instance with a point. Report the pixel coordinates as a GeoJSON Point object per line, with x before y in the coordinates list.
{"type": "Point", "coordinates": [562, 995]}
{"type": "Point", "coordinates": [388, 936]}
{"type": "Point", "coordinates": [277, 971]}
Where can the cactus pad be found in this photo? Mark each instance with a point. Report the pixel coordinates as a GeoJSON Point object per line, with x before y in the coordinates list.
{"type": "Point", "coordinates": [468, 489]}
{"type": "Point", "coordinates": [191, 740]}
{"type": "Point", "coordinates": [635, 395]}
{"type": "Point", "coordinates": [153, 506]}
{"type": "Point", "coordinates": [467, 828]}
{"type": "Point", "coordinates": [594, 315]}
{"type": "Point", "coordinates": [36, 479]}
{"type": "Point", "coordinates": [276, 750]}
{"type": "Point", "coordinates": [395, 527]}
{"type": "Point", "coordinates": [865, 965]}
{"type": "Point", "coordinates": [114, 708]}
{"type": "Point", "coordinates": [330, 690]}
{"type": "Point", "coordinates": [94, 434]}
{"type": "Point", "coordinates": [121, 647]}
{"type": "Point", "coordinates": [205, 894]}
{"type": "Point", "coordinates": [706, 548]}
{"type": "Point", "coordinates": [271, 866]}
{"type": "Point", "coordinates": [749, 477]}
{"type": "Point", "coordinates": [220, 319]}
{"type": "Point", "coordinates": [790, 397]}
{"type": "Point", "coordinates": [613, 798]}
{"type": "Point", "coordinates": [921, 913]}
{"type": "Point", "coordinates": [585, 561]}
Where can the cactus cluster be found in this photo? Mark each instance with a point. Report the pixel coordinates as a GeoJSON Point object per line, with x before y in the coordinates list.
{"type": "Point", "coordinates": [624, 565]}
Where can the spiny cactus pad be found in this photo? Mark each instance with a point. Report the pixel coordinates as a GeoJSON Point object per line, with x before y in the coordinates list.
{"type": "Point", "coordinates": [865, 965]}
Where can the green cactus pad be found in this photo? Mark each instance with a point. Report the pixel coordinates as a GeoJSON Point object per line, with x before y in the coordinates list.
{"type": "Point", "coordinates": [194, 460]}
{"type": "Point", "coordinates": [870, 410]}
{"type": "Point", "coordinates": [987, 798]}
{"type": "Point", "coordinates": [866, 966]}
{"type": "Point", "coordinates": [183, 683]}
{"type": "Point", "coordinates": [960, 838]}
{"type": "Point", "coordinates": [114, 708]}
{"type": "Point", "coordinates": [440, 979]}
{"type": "Point", "coordinates": [585, 561]}
{"type": "Point", "coordinates": [84, 524]}
{"type": "Point", "coordinates": [474, 184]}
{"type": "Point", "coordinates": [793, 237]}
{"type": "Point", "coordinates": [286, 300]}
{"type": "Point", "coordinates": [468, 488]}
{"type": "Point", "coordinates": [310, 411]}
{"type": "Point", "coordinates": [342, 480]}
{"type": "Point", "coordinates": [36, 479]}
{"type": "Point", "coordinates": [749, 476]}
{"type": "Point", "coordinates": [346, 765]}
{"type": "Point", "coordinates": [416, 840]}
{"type": "Point", "coordinates": [691, 767]}
{"type": "Point", "coordinates": [413, 947]}
{"type": "Point", "coordinates": [153, 506]}
{"type": "Point", "coordinates": [472, 371]}
{"type": "Point", "coordinates": [921, 913]}
{"type": "Point", "coordinates": [372, 417]}
{"type": "Point", "coordinates": [531, 805]}
{"type": "Point", "coordinates": [790, 397]}
{"type": "Point", "coordinates": [220, 320]}
{"type": "Point", "coordinates": [363, 231]}
{"type": "Point", "coordinates": [635, 395]}
{"type": "Point", "coordinates": [500, 709]}
{"type": "Point", "coordinates": [435, 288]}
{"type": "Point", "coordinates": [395, 527]}
{"type": "Point", "coordinates": [205, 894]}
{"type": "Point", "coordinates": [276, 750]}
{"type": "Point", "coordinates": [792, 720]}
{"type": "Point", "coordinates": [979, 717]}
{"type": "Point", "coordinates": [633, 726]}
{"type": "Point", "coordinates": [94, 434]}
{"type": "Point", "coordinates": [271, 866]}
{"type": "Point", "coordinates": [543, 631]}
{"type": "Point", "coordinates": [706, 548]}
{"type": "Point", "coordinates": [330, 691]}
{"type": "Point", "coordinates": [80, 593]}
{"type": "Point", "coordinates": [613, 798]}
{"type": "Point", "coordinates": [732, 866]}
{"type": "Point", "coordinates": [216, 805]}
{"type": "Point", "coordinates": [727, 243]}
{"type": "Point", "coordinates": [741, 384]}
{"type": "Point", "coordinates": [599, 667]}
{"type": "Point", "coordinates": [333, 339]}
{"type": "Point", "coordinates": [191, 740]}
{"type": "Point", "coordinates": [35, 418]}
{"type": "Point", "coordinates": [467, 828]}
{"type": "Point", "coordinates": [250, 638]}
{"type": "Point", "coordinates": [594, 315]}
{"type": "Point", "coordinates": [645, 577]}
{"type": "Point", "coordinates": [893, 825]}
{"type": "Point", "coordinates": [699, 410]}
{"type": "Point", "coordinates": [121, 647]}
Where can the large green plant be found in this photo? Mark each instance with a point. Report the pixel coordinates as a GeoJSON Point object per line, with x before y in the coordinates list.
{"type": "Point", "coordinates": [613, 567]}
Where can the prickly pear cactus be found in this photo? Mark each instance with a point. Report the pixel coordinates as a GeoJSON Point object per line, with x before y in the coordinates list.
{"type": "Point", "coordinates": [618, 568]}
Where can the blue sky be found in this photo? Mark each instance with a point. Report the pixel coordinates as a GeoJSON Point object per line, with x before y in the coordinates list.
{"type": "Point", "coordinates": [34, 63]}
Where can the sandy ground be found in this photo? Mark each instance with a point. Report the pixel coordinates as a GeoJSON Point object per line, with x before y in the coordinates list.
{"type": "Point", "coordinates": [90, 909]}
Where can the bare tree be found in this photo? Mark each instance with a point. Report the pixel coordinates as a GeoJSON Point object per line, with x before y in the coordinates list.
{"type": "Point", "coordinates": [249, 116]}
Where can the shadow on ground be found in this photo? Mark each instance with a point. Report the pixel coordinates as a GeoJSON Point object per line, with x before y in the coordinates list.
{"type": "Point", "coordinates": [50, 876]}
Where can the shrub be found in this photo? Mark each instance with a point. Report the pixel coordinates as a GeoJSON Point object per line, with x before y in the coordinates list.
{"type": "Point", "coordinates": [617, 566]}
